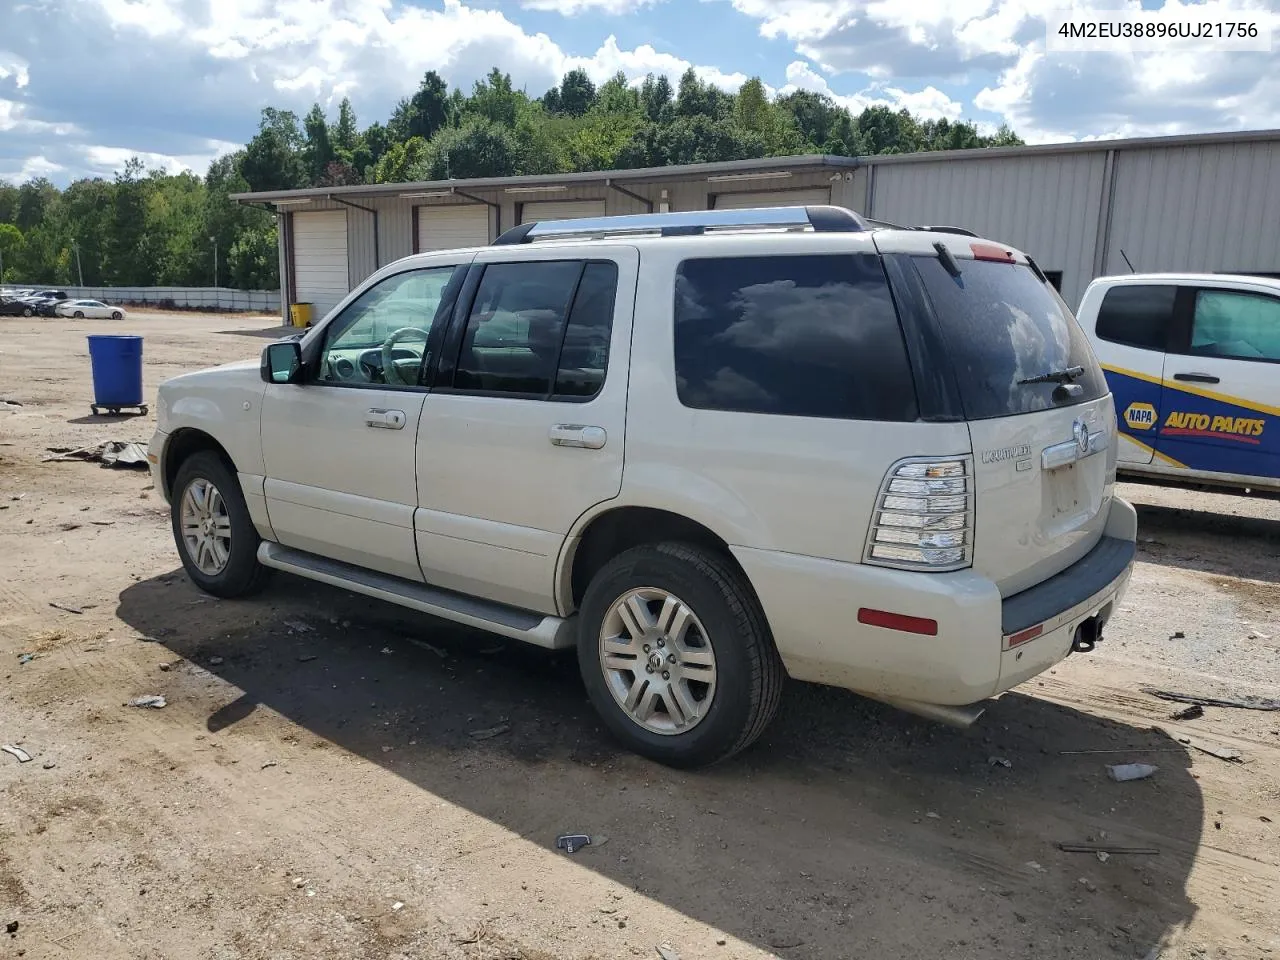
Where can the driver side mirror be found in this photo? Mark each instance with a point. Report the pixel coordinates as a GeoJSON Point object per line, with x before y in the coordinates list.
{"type": "Point", "coordinates": [282, 362]}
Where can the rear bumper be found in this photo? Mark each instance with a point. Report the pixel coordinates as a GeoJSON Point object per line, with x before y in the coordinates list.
{"type": "Point", "coordinates": [813, 605]}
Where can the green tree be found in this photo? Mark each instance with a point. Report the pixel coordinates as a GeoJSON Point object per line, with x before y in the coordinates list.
{"type": "Point", "coordinates": [398, 162]}
{"type": "Point", "coordinates": [478, 148]}
{"type": "Point", "coordinates": [318, 152]}
{"type": "Point", "coordinates": [273, 159]}
{"type": "Point", "coordinates": [577, 93]}
{"type": "Point", "coordinates": [11, 243]}
{"type": "Point", "coordinates": [345, 136]}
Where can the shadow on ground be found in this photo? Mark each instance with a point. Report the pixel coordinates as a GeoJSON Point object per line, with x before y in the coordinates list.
{"type": "Point", "coordinates": [265, 333]}
{"type": "Point", "coordinates": [1218, 543]}
{"type": "Point", "coordinates": [850, 830]}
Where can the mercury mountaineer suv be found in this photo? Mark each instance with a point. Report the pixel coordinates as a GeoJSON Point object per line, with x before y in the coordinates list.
{"type": "Point", "coordinates": [708, 450]}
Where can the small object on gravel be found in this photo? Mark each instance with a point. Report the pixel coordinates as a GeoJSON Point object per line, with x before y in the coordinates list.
{"type": "Point", "coordinates": [933, 816]}
{"type": "Point", "coordinates": [153, 700]}
{"type": "Point", "coordinates": [22, 755]}
{"type": "Point", "coordinates": [306, 658]}
{"type": "Point", "coordinates": [1103, 856]}
{"type": "Point", "coordinates": [721, 941]}
{"type": "Point", "coordinates": [11, 926]}
{"type": "Point", "coordinates": [1121, 772]}
{"type": "Point", "coordinates": [148, 640]}
{"type": "Point", "coordinates": [387, 651]}
{"type": "Point", "coordinates": [103, 523]}
{"type": "Point", "coordinates": [299, 883]}
{"type": "Point", "coordinates": [1178, 635]}
{"type": "Point", "coordinates": [65, 606]}
{"type": "Point", "coordinates": [1193, 712]}
{"type": "Point", "coordinates": [397, 906]}
{"type": "Point", "coordinates": [1229, 754]}
{"type": "Point", "coordinates": [442, 654]}
{"type": "Point", "coordinates": [786, 943]}
{"type": "Point", "coordinates": [68, 527]}
{"type": "Point", "coordinates": [1088, 885]}
{"type": "Point", "coordinates": [1106, 848]}
{"type": "Point", "coordinates": [271, 763]}
{"type": "Point", "coordinates": [1243, 703]}
{"type": "Point", "coordinates": [25, 658]}
{"type": "Point", "coordinates": [666, 952]}
{"type": "Point", "coordinates": [490, 732]}
{"type": "Point", "coordinates": [572, 842]}
{"type": "Point", "coordinates": [216, 661]}
{"type": "Point", "coordinates": [1265, 819]}
{"type": "Point", "coordinates": [50, 764]}
{"type": "Point", "coordinates": [298, 626]}
{"type": "Point", "coordinates": [1035, 866]}
{"type": "Point", "coordinates": [999, 762]}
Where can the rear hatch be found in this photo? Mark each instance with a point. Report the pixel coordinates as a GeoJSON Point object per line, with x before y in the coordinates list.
{"type": "Point", "coordinates": [1040, 414]}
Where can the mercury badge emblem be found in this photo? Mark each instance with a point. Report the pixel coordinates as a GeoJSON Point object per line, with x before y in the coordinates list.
{"type": "Point", "coordinates": [1080, 430]}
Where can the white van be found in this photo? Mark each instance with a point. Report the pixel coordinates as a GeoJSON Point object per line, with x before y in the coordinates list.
{"type": "Point", "coordinates": [1193, 361]}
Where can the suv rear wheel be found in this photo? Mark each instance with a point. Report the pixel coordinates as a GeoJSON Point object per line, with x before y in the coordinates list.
{"type": "Point", "coordinates": [211, 524]}
{"type": "Point", "coordinates": [676, 654]}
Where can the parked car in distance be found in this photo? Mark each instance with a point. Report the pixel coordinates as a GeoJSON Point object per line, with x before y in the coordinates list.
{"type": "Point", "coordinates": [92, 309]}
{"type": "Point", "coordinates": [51, 295]}
{"type": "Point", "coordinates": [17, 307]}
{"type": "Point", "coordinates": [1194, 363]}
{"type": "Point", "coordinates": [868, 456]}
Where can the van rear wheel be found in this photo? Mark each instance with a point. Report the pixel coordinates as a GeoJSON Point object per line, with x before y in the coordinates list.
{"type": "Point", "coordinates": [676, 654]}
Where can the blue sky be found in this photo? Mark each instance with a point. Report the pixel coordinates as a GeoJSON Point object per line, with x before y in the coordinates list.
{"type": "Point", "coordinates": [179, 81]}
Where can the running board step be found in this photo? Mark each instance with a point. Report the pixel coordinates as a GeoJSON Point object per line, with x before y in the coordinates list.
{"type": "Point", "coordinates": [553, 633]}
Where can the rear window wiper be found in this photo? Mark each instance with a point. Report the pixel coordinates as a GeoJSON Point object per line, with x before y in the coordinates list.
{"type": "Point", "coordinates": [1055, 376]}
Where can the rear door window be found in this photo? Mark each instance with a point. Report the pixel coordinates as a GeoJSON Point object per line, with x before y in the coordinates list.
{"type": "Point", "coordinates": [1002, 325]}
{"type": "Point", "coordinates": [1235, 324]}
{"type": "Point", "coordinates": [799, 336]}
{"type": "Point", "coordinates": [1137, 316]}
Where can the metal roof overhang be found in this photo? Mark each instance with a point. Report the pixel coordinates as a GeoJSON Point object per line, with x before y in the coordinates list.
{"type": "Point", "coordinates": [640, 175]}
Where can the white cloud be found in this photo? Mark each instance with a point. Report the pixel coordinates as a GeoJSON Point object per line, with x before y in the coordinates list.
{"type": "Point", "coordinates": [11, 65]}
{"type": "Point", "coordinates": [106, 159]}
{"type": "Point", "coordinates": [929, 103]}
{"type": "Point", "coordinates": [32, 167]}
{"type": "Point", "coordinates": [571, 8]}
{"type": "Point", "coordinates": [14, 119]}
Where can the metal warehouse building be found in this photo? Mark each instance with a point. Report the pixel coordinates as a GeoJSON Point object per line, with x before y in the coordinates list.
{"type": "Point", "coordinates": [1207, 203]}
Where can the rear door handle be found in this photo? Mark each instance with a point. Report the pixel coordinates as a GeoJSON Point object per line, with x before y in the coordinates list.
{"type": "Point", "coordinates": [1197, 377]}
{"type": "Point", "coordinates": [578, 435]}
{"type": "Point", "coordinates": [385, 419]}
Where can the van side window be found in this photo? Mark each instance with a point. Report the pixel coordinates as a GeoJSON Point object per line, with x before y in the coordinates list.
{"type": "Point", "coordinates": [1137, 316]}
{"type": "Point", "coordinates": [800, 336]}
{"type": "Point", "coordinates": [1242, 326]}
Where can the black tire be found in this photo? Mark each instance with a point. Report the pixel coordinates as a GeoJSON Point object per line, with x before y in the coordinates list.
{"type": "Point", "coordinates": [79, 314]}
{"type": "Point", "coordinates": [28, 312]}
{"type": "Point", "coordinates": [243, 574]}
{"type": "Point", "coordinates": [749, 674]}
{"type": "Point", "coordinates": [117, 315]}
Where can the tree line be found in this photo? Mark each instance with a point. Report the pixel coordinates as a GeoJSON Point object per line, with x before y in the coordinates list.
{"type": "Point", "coordinates": [148, 227]}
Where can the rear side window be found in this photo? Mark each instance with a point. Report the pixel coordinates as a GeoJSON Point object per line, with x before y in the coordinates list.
{"type": "Point", "coordinates": [1137, 316]}
{"type": "Point", "coordinates": [800, 336]}
{"type": "Point", "coordinates": [1002, 325]}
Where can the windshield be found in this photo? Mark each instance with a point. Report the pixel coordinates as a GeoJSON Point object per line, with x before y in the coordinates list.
{"type": "Point", "coordinates": [1003, 325]}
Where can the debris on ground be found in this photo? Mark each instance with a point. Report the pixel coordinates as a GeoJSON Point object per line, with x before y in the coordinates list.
{"type": "Point", "coordinates": [490, 732]}
{"type": "Point", "coordinates": [933, 816]}
{"type": "Point", "coordinates": [1103, 856]}
{"type": "Point", "coordinates": [572, 842]}
{"type": "Point", "coordinates": [1106, 848]}
{"type": "Point", "coordinates": [306, 658]}
{"type": "Point", "coordinates": [397, 906]}
{"type": "Point", "coordinates": [1243, 703]}
{"type": "Point", "coordinates": [50, 764]}
{"type": "Point", "coordinates": [271, 763]}
{"type": "Point", "coordinates": [442, 654]}
{"type": "Point", "coordinates": [387, 651]}
{"type": "Point", "coordinates": [66, 607]}
{"type": "Point", "coordinates": [999, 762]}
{"type": "Point", "coordinates": [216, 661]}
{"type": "Point", "coordinates": [113, 453]}
{"type": "Point", "coordinates": [166, 667]}
{"type": "Point", "coordinates": [1082, 753]}
{"type": "Point", "coordinates": [666, 952]}
{"type": "Point", "coordinates": [1088, 884]}
{"type": "Point", "coordinates": [22, 755]}
{"type": "Point", "coordinates": [1120, 772]}
{"type": "Point", "coordinates": [1229, 754]}
{"type": "Point", "coordinates": [25, 658]}
{"type": "Point", "coordinates": [1178, 635]}
{"type": "Point", "coordinates": [1035, 866]}
{"type": "Point", "coordinates": [297, 626]}
{"type": "Point", "coordinates": [153, 700]}
{"type": "Point", "coordinates": [1193, 712]}
{"type": "Point", "coordinates": [11, 926]}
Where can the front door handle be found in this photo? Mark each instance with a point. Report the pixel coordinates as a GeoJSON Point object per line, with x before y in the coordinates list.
{"type": "Point", "coordinates": [578, 435]}
{"type": "Point", "coordinates": [1197, 377]}
{"type": "Point", "coordinates": [385, 419]}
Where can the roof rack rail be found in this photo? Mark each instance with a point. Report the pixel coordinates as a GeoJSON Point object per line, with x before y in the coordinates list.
{"type": "Point", "coordinates": [821, 219]}
{"type": "Point", "coordinates": [940, 228]}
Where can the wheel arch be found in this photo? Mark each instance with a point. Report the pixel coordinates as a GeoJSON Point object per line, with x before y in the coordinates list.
{"type": "Point", "coordinates": [603, 535]}
{"type": "Point", "coordinates": [181, 445]}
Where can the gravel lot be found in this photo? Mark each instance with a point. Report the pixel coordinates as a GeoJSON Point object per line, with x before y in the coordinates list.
{"type": "Point", "coordinates": [313, 788]}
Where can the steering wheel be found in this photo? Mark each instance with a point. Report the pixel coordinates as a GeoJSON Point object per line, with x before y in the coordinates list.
{"type": "Point", "coordinates": [390, 372]}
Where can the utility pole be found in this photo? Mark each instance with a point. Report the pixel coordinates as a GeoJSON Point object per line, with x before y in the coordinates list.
{"type": "Point", "coordinates": [214, 241]}
{"type": "Point", "coordinates": [79, 269]}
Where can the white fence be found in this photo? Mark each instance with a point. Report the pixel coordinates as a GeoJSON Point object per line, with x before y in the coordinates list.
{"type": "Point", "coordinates": [196, 298]}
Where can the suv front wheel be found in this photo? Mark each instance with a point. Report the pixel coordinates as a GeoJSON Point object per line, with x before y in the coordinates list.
{"type": "Point", "coordinates": [211, 524]}
{"type": "Point", "coordinates": [676, 654]}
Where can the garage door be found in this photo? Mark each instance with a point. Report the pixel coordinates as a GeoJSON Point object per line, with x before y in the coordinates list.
{"type": "Point", "coordinates": [444, 228]}
{"type": "Point", "coordinates": [560, 210]}
{"type": "Point", "coordinates": [773, 198]}
{"type": "Point", "coordinates": [320, 258]}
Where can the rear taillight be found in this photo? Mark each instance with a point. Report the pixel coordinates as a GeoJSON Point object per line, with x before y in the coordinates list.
{"type": "Point", "coordinates": [924, 516]}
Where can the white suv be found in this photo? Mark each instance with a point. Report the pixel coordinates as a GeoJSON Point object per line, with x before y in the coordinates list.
{"type": "Point", "coordinates": [708, 450]}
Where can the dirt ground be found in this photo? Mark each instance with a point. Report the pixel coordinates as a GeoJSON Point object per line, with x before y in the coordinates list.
{"type": "Point", "coordinates": [313, 787]}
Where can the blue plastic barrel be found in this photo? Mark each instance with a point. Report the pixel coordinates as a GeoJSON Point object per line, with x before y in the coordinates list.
{"type": "Point", "coordinates": [117, 369]}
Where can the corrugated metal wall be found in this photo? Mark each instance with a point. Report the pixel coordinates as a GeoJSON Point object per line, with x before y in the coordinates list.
{"type": "Point", "coordinates": [1045, 206]}
{"type": "Point", "coordinates": [1202, 208]}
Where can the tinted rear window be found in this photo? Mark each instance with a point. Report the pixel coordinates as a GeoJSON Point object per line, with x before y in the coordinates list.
{"type": "Point", "coordinates": [800, 336]}
{"type": "Point", "coordinates": [1001, 324]}
{"type": "Point", "coordinates": [1137, 316]}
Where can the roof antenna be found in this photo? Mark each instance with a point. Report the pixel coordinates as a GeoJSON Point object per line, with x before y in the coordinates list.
{"type": "Point", "coordinates": [1126, 260]}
